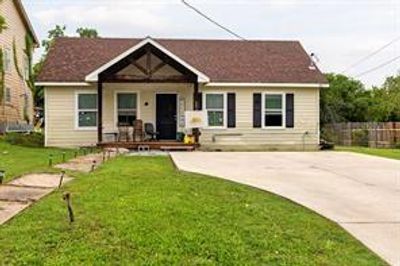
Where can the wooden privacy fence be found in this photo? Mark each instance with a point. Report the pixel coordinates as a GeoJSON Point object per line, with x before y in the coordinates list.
{"type": "Point", "coordinates": [371, 134]}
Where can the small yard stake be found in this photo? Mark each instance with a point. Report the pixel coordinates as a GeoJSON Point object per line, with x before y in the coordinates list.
{"type": "Point", "coordinates": [50, 159]}
{"type": "Point", "coordinates": [67, 198]}
{"type": "Point", "coordinates": [93, 165]}
{"type": "Point", "coordinates": [75, 154]}
{"type": "Point", "coordinates": [2, 176]}
{"type": "Point", "coordinates": [63, 157]}
{"type": "Point", "coordinates": [108, 154]}
{"type": "Point", "coordinates": [61, 178]}
{"type": "Point", "coordinates": [104, 156]}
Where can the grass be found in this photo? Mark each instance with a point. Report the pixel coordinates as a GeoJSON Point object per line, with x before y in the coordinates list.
{"type": "Point", "coordinates": [136, 210]}
{"type": "Point", "coordinates": [18, 160]}
{"type": "Point", "coordinates": [387, 153]}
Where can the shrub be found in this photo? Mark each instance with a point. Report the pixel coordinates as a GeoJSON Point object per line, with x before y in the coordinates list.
{"type": "Point", "coordinates": [359, 137]}
{"type": "Point", "coordinates": [27, 140]}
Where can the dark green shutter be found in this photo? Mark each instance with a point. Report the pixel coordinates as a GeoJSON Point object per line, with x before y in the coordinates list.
{"type": "Point", "coordinates": [231, 110]}
{"type": "Point", "coordinates": [290, 110]}
{"type": "Point", "coordinates": [257, 112]}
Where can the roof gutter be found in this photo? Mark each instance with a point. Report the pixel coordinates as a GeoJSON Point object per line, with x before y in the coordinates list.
{"type": "Point", "coordinates": [276, 85]}
{"type": "Point", "coordinates": [62, 84]}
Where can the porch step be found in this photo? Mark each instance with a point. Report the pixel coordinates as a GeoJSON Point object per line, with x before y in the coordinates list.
{"type": "Point", "coordinates": [153, 145]}
{"type": "Point", "coordinates": [177, 148]}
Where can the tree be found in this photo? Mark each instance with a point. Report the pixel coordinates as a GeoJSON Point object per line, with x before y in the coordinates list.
{"type": "Point", "coordinates": [3, 24]}
{"type": "Point", "coordinates": [58, 31]}
{"type": "Point", "coordinates": [386, 101]}
{"type": "Point", "coordinates": [345, 100]}
{"type": "Point", "coordinates": [87, 33]}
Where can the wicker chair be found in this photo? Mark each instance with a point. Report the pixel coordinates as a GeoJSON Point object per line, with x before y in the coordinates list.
{"type": "Point", "coordinates": [138, 132]}
{"type": "Point", "coordinates": [123, 132]}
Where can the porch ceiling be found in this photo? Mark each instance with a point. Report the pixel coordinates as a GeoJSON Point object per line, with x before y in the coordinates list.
{"type": "Point", "coordinates": [147, 64]}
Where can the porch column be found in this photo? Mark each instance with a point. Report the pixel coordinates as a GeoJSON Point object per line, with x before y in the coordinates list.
{"type": "Point", "coordinates": [196, 106]}
{"type": "Point", "coordinates": [196, 97]}
{"type": "Point", "coordinates": [99, 111]}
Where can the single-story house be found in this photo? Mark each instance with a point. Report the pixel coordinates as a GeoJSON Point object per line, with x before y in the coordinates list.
{"type": "Point", "coordinates": [256, 95]}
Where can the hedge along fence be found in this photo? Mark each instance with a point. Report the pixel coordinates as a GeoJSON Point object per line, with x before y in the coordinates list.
{"type": "Point", "coordinates": [369, 134]}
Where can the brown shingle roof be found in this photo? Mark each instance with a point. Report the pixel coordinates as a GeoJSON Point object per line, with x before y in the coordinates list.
{"type": "Point", "coordinates": [71, 59]}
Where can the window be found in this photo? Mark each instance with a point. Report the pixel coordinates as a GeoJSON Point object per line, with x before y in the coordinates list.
{"type": "Point", "coordinates": [215, 106]}
{"type": "Point", "coordinates": [26, 67]}
{"type": "Point", "coordinates": [273, 110]}
{"type": "Point", "coordinates": [7, 95]}
{"type": "Point", "coordinates": [87, 110]}
{"type": "Point", "coordinates": [126, 108]}
{"type": "Point", "coordinates": [7, 60]}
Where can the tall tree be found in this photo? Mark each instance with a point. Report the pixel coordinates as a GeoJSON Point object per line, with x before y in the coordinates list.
{"type": "Point", "coordinates": [345, 100]}
{"type": "Point", "coordinates": [3, 23]}
{"type": "Point", "coordinates": [58, 31]}
{"type": "Point", "coordinates": [87, 32]}
{"type": "Point", "coordinates": [386, 101]}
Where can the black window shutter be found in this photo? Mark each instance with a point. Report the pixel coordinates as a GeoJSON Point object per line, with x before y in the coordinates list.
{"type": "Point", "coordinates": [231, 110]}
{"type": "Point", "coordinates": [257, 112]}
{"type": "Point", "coordinates": [200, 100]}
{"type": "Point", "coordinates": [290, 110]}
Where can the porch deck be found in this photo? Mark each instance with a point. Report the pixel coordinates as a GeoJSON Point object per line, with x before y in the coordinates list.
{"type": "Point", "coordinates": [153, 145]}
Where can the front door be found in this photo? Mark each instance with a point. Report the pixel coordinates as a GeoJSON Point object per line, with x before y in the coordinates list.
{"type": "Point", "coordinates": [166, 116]}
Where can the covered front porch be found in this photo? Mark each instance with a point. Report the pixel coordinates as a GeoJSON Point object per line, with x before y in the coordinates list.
{"type": "Point", "coordinates": [142, 97]}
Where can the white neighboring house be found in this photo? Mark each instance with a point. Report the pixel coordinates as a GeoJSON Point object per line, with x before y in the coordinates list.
{"type": "Point", "coordinates": [258, 95]}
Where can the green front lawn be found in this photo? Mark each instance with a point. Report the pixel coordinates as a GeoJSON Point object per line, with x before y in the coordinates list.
{"type": "Point", "coordinates": [18, 160]}
{"type": "Point", "coordinates": [137, 210]}
{"type": "Point", "coordinates": [388, 153]}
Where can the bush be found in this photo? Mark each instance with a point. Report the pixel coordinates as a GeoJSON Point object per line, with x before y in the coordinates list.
{"type": "Point", "coordinates": [359, 137]}
{"type": "Point", "coordinates": [28, 140]}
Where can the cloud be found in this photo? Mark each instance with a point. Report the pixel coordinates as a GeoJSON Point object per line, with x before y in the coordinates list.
{"type": "Point", "coordinates": [113, 19]}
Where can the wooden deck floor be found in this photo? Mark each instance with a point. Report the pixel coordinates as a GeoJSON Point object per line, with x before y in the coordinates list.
{"type": "Point", "coordinates": [153, 145]}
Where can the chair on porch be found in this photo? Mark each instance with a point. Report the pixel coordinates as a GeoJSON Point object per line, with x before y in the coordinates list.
{"type": "Point", "coordinates": [149, 132]}
{"type": "Point", "coordinates": [123, 132]}
{"type": "Point", "coordinates": [138, 134]}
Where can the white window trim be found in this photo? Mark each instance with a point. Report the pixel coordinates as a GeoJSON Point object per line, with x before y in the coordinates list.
{"type": "Point", "coordinates": [7, 51]}
{"type": "Point", "coordinates": [27, 69]}
{"type": "Point", "coordinates": [7, 95]}
{"type": "Point", "coordinates": [116, 105]}
{"type": "Point", "coordinates": [225, 109]}
{"type": "Point", "coordinates": [77, 127]}
{"type": "Point", "coordinates": [283, 110]}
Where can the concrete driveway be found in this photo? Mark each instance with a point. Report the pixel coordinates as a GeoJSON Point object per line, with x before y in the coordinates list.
{"type": "Point", "coordinates": [359, 192]}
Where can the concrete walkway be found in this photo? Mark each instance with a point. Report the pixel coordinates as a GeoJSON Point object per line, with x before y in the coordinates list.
{"type": "Point", "coordinates": [359, 192]}
{"type": "Point", "coordinates": [20, 193]}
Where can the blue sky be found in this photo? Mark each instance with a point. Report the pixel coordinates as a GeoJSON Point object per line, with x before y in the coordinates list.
{"type": "Point", "coordinates": [340, 32]}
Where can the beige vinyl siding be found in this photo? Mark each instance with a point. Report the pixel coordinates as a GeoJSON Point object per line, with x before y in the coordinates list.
{"type": "Point", "coordinates": [61, 111]}
{"type": "Point", "coordinates": [13, 111]}
{"type": "Point", "coordinates": [244, 136]}
{"type": "Point", "coordinates": [60, 118]}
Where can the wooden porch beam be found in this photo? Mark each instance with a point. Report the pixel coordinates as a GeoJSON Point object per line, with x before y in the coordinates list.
{"type": "Point", "coordinates": [142, 69]}
{"type": "Point", "coordinates": [100, 110]}
{"type": "Point", "coordinates": [157, 67]}
{"type": "Point", "coordinates": [196, 106]}
{"type": "Point", "coordinates": [148, 60]}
